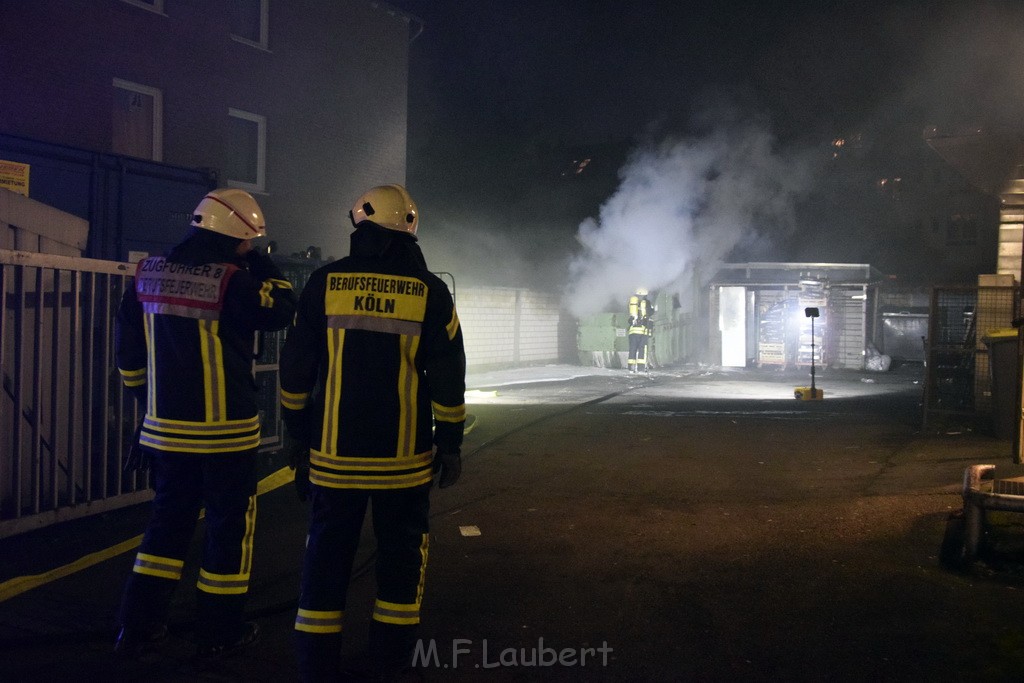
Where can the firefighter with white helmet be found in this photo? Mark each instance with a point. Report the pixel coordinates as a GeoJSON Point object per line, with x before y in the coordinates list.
{"type": "Point", "coordinates": [230, 212]}
{"type": "Point", "coordinates": [185, 334]}
{"type": "Point", "coordinates": [641, 327]}
{"type": "Point", "coordinates": [387, 206]}
{"type": "Point", "coordinates": [373, 396]}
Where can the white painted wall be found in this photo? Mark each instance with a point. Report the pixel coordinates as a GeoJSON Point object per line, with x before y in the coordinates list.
{"type": "Point", "coordinates": [503, 326]}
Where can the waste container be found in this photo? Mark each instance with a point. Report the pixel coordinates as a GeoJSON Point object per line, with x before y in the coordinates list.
{"type": "Point", "coordinates": [1004, 368]}
{"type": "Point", "coordinates": [903, 333]}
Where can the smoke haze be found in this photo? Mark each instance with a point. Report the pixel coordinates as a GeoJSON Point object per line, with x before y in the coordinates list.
{"type": "Point", "coordinates": [563, 76]}
{"type": "Point", "coordinates": [685, 204]}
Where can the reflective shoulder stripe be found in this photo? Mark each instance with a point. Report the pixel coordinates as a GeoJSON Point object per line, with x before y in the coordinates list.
{"type": "Point", "coordinates": [453, 325]}
{"type": "Point", "coordinates": [266, 301]}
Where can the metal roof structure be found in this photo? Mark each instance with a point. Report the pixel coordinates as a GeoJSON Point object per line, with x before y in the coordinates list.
{"type": "Point", "coordinates": [771, 273]}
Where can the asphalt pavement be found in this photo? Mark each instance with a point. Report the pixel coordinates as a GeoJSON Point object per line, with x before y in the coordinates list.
{"type": "Point", "coordinates": [693, 524]}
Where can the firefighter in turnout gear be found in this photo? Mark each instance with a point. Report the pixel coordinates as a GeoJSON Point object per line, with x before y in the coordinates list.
{"type": "Point", "coordinates": [185, 334]}
{"type": "Point", "coordinates": [373, 392]}
{"type": "Point", "coordinates": [641, 328]}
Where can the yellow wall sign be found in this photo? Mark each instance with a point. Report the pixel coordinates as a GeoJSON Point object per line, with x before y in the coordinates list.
{"type": "Point", "coordinates": [14, 176]}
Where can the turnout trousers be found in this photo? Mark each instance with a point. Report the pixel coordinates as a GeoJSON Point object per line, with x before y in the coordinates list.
{"type": "Point", "coordinates": [226, 484]}
{"type": "Point", "coordinates": [400, 526]}
{"type": "Point", "coordinates": [637, 352]}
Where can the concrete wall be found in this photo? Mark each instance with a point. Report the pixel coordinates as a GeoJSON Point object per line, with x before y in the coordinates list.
{"type": "Point", "coordinates": [504, 327]}
{"type": "Point", "coordinates": [28, 225]}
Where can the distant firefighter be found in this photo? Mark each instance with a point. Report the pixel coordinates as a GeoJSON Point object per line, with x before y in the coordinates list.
{"type": "Point", "coordinates": [641, 328]}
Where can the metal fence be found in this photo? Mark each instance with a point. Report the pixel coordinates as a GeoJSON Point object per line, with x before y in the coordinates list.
{"type": "Point", "coordinates": [958, 381]}
{"type": "Point", "coordinates": [66, 422]}
{"type": "Point", "coordinates": [65, 419]}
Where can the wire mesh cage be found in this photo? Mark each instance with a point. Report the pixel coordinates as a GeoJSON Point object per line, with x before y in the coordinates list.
{"type": "Point", "coordinates": [959, 371]}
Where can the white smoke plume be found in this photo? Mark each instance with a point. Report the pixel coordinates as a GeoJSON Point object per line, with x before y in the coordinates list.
{"type": "Point", "coordinates": [684, 204]}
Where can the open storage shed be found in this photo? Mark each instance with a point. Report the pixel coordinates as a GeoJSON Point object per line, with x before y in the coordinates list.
{"type": "Point", "coordinates": [757, 314]}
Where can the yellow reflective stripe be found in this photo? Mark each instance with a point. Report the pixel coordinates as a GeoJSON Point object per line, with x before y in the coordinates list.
{"type": "Point", "coordinates": [213, 370]}
{"type": "Point", "coordinates": [221, 393]}
{"type": "Point", "coordinates": [247, 539]}
{"type": "Point", "coordinates": [453, 325]}
{"type": "Point", "coordinates": [316, 621]}
{"type": "Point", "coordinates": [225, 427]}
{"type": "Point", "coordinates": [133, 378]}
{"type": "Point", "coordinates": [162, 567]}
{"type": "Point", "coordinates": [370, 473]}
{"type": "Point", "coordinates": [448, 413]}
{"type": "Point", "coordinates": [201, 437]}
{"type": "Point", "coordinates": [223, 584]}
{"type": "Point", "coordinates": [266, 301]}
{"type": "Point", "coordinates": [332, 395]}
{"type": "Point", "coordinates": [408, 385]}
{"type": "Point", "coordinates": [147, 325]}
{"type": "Point", "coordinates": [207, 356]}
{"type": "Point", "coordinates": [395, 613]}
{"type": "Point", "coordinates": [424, 553]}
{"type": "Point", "coordinates": [293, 401]}
{"type": "Point", "coordinates": [367, 481]}
{"type": "Point", "coordinates": [280, 284]}
{"type": "Point", "coordinates": [371, 324]}
{"type": "Point", "coordinates": [375, 465]}
{"type": "Point", "coordinates": [185, 445]}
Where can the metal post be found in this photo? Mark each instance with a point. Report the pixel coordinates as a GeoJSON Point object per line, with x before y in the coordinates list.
{"type": "Point", "coordinates": [813, 391]}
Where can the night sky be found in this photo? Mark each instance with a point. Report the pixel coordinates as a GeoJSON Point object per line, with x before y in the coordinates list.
{"type": "Point", "coordinates": [734, 105]}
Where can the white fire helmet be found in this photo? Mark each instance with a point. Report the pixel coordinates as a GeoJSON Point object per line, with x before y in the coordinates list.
{"type": "Point", "coordinates": [389, 206]}
{"type": "Point", "coordinates": [230, 212]}
{"type": "Point", "coordinates": [641, 292]}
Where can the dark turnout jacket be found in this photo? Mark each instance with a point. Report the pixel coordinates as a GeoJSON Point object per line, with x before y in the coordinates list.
{"type": "Point", "coordinates": [373, 372]}
{"type": "Point", "coordinates": [185, 336]}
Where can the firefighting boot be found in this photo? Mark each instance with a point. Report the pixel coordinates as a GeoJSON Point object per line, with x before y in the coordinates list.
{"type": "Point", "coordinates": [132, 643]}
{"type": "Point", "coordinates": [250, 634]}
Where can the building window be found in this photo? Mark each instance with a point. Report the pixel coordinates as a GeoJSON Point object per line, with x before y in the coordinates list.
{"type": "Point", "coordinates": [152, 5]}
{"type": "Point", "coordinates": [137, 121]}
{"type": "Point", "coordinates": [249, 22]}
{"type": "Point", "coordinates": [247, 151]}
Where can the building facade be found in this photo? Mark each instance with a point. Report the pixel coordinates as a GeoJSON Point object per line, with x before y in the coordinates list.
{"type": "Point", "coordinates": [302, 103]}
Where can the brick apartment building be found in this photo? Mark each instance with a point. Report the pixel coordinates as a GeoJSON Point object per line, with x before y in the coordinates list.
{"type": "Point", "coordinates": [302, 103]}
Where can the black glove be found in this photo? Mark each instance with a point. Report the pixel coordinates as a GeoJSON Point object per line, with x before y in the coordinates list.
{"type": "Point", "coordinates": [448, 464]}
{"type": "Point", "coordinates": [298, 460]}
{"type": "Point", "coordinates": [261, 266]}
{"type": "Point", "coordinates": [138, 457]}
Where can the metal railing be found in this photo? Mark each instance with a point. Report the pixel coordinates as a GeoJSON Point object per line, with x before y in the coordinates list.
{"type": "Point", "coordinates": [65, 420]}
